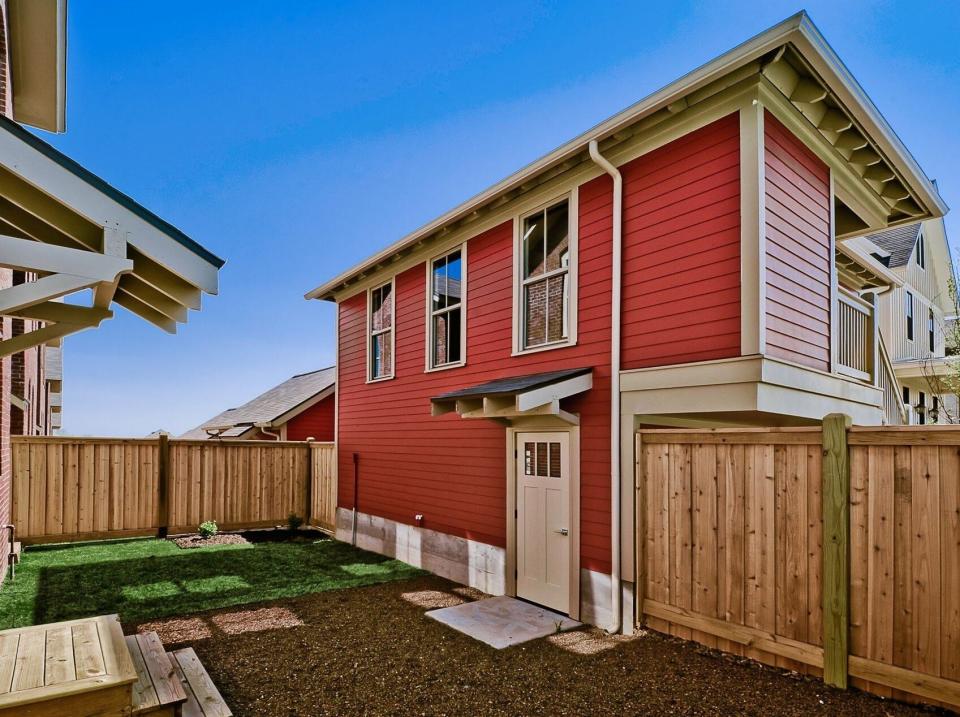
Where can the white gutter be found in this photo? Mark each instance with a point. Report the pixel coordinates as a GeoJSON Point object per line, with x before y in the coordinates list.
{"type": "Point", "coordinates": [265, 427]}
{"type": "Point", "coordinates": [615, 477]}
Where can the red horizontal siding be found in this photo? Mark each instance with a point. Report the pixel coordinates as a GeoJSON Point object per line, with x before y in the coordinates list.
{"type": "Point", "coordinates": [797, 190]}
{"type": "Point", "coordinates": [451, 470]}
{"type": "Point", "coordinates": [316, 422]}
{"type": "Point", "coordinates": [681, 250]}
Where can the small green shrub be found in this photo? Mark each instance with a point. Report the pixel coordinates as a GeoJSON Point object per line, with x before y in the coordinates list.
{"type": "Point", "coordinates": [208, 529]}
{"type": "Point", "coordinates": [294, 521]}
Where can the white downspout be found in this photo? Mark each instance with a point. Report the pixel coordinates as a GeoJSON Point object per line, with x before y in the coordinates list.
{"type": "Point", "coordinates": [615, 477]}
{"type": "Point", "coordinates": [265, 430]}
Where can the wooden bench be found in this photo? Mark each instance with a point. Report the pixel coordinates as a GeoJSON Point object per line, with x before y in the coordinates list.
{"type": "Point", "coordinates": [157, 691]}
{"type": "Point", "coordinates": [203, 698]}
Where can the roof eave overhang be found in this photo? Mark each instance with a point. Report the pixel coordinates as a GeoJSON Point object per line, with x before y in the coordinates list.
{"type": "Point", "coordinates": [38, 62]}
{"type": "Point", "coordinates": [798, 30]}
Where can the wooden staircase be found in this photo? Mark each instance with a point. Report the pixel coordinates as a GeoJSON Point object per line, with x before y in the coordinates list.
{"type": "Point", "coordinates": [87, 668]}
{"type": "Point", "coordinates": [171, 684]}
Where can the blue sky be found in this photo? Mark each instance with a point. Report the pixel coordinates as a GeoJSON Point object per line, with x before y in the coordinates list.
{"type": "Point", "coordinates": [294, 139]}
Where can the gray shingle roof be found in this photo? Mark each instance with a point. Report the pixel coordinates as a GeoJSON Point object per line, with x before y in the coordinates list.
{"type": "Point", "coordinates": [269, 405]}
{"type": "Point", "coordinates": [899, 242]}
{"type": "Point", "coordinates": [512, 384]}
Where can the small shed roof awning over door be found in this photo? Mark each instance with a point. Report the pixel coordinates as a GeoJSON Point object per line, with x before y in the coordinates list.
{"type": "Point", "coordinates": [506, 399]}
{"type": "Point", "coordinates": [73, 231]}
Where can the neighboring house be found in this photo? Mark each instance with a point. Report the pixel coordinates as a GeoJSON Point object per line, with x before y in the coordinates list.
{"type": "Point", "coordinates": [63, 230]}
{"type": "Point", "coordinates": [300, 408]}
{"type": "Point", "coordinates": [915, 316]}
{"type": "Point", "coordinates": [683, 263]}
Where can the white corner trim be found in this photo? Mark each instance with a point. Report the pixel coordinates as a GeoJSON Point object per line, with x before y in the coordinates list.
{"type": "Point", "coordinates": [753, 254]}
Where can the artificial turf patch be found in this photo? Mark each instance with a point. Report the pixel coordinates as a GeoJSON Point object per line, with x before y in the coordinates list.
{"type": "Point", "coordinates": [147, 579]}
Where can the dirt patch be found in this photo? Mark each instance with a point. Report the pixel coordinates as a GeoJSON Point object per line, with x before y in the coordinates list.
{"type": "Point", "coordinates": [195, 541]}
{"type": "Point", "coordinates": [371, 651]}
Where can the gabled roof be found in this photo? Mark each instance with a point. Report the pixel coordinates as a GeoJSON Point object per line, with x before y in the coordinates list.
{"type": "Point", "coordinates": [271, 408]}
{"type": "Point", "coordinates": [898, 243]}
{"type": "Point", "coordinates": [794, 57]}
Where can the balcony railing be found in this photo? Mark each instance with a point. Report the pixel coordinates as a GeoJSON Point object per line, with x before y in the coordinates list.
{"type": "Point", "coordinates": [857, 338]}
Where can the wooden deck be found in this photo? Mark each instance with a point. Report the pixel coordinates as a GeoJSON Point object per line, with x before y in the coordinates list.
{"type": "Point", "coordinates": [79, 667]}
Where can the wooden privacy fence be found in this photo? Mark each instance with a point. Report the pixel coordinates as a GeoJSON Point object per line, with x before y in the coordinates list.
{"type": "Point", "coordinates": [834, 552]}
{"type": "Point", "coordinates": [68, 489]}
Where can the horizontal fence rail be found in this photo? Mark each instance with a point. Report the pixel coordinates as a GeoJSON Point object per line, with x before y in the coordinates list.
{"type": "Point", "coordinates": [69, 489]}
{"type": "Point", "coordinates": [833, 552]}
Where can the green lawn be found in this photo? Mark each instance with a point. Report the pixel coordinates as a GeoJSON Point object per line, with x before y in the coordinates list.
{"type": "Point", "coordinates": [146, 579]}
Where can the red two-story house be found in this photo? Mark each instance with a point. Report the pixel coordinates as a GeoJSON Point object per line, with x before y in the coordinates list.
{"type": "Point", "coordinates": [681, 264]}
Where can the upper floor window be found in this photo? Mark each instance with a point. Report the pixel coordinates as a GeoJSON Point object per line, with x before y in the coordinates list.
{"type": "Point", "coordinates": [909, 312]}
{"type": "Point", "coordinates": [547, 285]}
{"type": "Point", "coordinates": [446, 332]}
{"type": "Point", "coordinates": [930, 329]}
{"type": "Point", "coordinates": [380, 328]}
{"type": "Point", "coordinates": [921, 253]}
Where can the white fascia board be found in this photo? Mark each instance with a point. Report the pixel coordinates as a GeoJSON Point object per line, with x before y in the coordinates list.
{"type": "Point", "coordinates": [529, 400]}
{"type": "Point", "coordinates": [69, 189]}
{"type": "Point", "coordinates": [798, 30]}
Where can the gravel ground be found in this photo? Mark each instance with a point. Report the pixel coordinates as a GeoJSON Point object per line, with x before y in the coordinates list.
{"type": "Point", "coordinates": [196, 541]}
{"type": "Point", "coordinates": [371, 651]}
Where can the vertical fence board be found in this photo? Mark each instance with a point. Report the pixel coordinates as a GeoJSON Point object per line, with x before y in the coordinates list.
{"type": "Point", "coordinates": [85, 488]}
{"type": "Point", "coordinates": [854, 542]}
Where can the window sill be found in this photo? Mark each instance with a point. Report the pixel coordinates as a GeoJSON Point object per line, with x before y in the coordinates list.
{"type": "Point", "coordinates": [445, 367]}
{"type": "Point", "coordinates": [380, 379]}
{"type": "Point", "coordinates": [545, 347]}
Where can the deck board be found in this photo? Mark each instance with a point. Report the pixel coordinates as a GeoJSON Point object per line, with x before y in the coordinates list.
{"type": "Point", "coordinates": [88, 650]}
{"type": "Point", "coordinates": [28, 672]}
{"type": "Point", "coordinates": [206, 693]}
{"type": "Point", "coordinates": [60, 668]}
{"type": "Point", "coordinates": [8, 660]}
{"type": "Point", "coordinates": [59, 665]}
{"type": "Point", "coordinates": [144, 693]}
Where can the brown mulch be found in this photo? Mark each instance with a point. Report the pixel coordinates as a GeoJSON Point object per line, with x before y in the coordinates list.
{"type": "Point", "coordinates": [195, 541]}
{"type": "Point", "coordinates": [371, 651]}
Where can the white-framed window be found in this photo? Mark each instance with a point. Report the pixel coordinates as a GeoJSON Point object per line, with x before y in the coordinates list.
{"type": "Point", "coordinates": [545, 304]}
{"type": "Point", "coordinates": [921, 253]}
{"type": "Point", "coordinates": [380, 333]}
{"type": "Point", "coordinates": [447, 310]}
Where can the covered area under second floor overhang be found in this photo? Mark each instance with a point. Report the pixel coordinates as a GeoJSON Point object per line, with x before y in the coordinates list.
{"type": "Point", "coordinates": [64, 230]}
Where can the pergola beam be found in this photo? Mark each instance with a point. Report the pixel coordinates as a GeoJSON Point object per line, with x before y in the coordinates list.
{"type": "Point", "coordinates": [27, 255]}
{"type": "Point", "coordinates": [42, 336]}
{"type": "Point", "coordinates": [58, 312]}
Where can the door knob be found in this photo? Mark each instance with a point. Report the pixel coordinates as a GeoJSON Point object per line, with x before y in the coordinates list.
{"type": "Point", "coordinates": [562, 531]}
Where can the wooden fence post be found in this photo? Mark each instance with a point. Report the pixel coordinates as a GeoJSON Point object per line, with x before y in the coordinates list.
{"type": "Point", "coordinates": [836, 549]}
{"type": "Point", "coordinates": [163, 484]}
{"type": "Point", "coordinates": [311, 478]}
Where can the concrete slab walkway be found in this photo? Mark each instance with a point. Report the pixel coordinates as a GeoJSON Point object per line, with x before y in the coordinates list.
{"type": "Point", "coordinates": [503, 621]}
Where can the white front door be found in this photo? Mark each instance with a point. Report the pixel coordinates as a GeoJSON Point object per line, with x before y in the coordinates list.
{"type": "Point", "coordinates": [543, 519]}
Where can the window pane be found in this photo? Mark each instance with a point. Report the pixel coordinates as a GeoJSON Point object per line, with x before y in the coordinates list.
{"type": "Point", "coordinates": [453, 336]}
{"type": "Point", "coordinates": [533, 245]}
{"type": "Point", "coordinates": [439, 289]}
{"type": "Point", "coordinates": [541, 459]}
{"type": "Point", "coordinates": [454, 270]}
{"type": "Point", "coordinates": [554, 460]}
{"type": "Point", "coordinates": [382, 308]}
{"type": "Point", "coordinates": [558, 237]}
{"type": "Point", "coordinates": [535, 306]}
{"type": "Point", "coordinates": [556, 308]}
{"type": "Point", "coordinates": [528, 458]}
{"type": "Point", "coordinates": [440, 340]}
{"type": "Point", "coordinates": [381, 361]}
